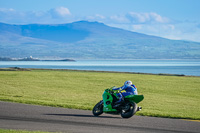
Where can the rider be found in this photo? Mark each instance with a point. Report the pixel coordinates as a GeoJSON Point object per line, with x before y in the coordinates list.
{"type": "Point", "coordinates": [130, 90]}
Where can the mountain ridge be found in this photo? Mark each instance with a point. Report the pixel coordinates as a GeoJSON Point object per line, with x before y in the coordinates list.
{"type": "Point", "coordinates": [89, 40]}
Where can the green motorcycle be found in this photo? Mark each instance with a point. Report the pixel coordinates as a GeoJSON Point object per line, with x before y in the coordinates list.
{"type": "Point", "coordinates": [127, 109]}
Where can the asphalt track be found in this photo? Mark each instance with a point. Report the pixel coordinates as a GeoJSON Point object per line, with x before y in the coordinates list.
{"type": "Point", "coordinates": [33, 117]}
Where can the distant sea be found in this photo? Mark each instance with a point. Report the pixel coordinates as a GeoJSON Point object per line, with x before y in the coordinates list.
{"type": "Point", "coordinates": [185, 67]}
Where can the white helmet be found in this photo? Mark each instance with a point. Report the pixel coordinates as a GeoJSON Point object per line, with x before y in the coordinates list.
{"type": "Point", "coordinates": [128, 83]}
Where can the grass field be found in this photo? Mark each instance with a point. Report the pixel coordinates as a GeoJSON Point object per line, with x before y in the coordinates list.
{"type": "Point", "coordinates": [164, 96]}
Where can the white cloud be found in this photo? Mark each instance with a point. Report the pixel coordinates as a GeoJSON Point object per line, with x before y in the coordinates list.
{"type": "Point", "coordinates": [100, 16]}
{"type": "Point", "coordinates": [63, 15]}
{"type": "Point", "coordinates": [119, 19]}
{"type": "Point", "coordinates": [6, 10]}
{"type": "Point", "coordinates": [55, 15]}
{"type": "Point", "coordinates": [156, 17]}
{"type": "Point", "coordinates": [96, 17]}
{"type": "Point", "coordinates": [157, 25]}
{"type": "Point", "coordinates": [60, 12]}
{"type": "Point", "coordinates": [63, 11]}
{"type": "Point", "coordinates": [10, 15]}
{"type": "Point", "coordinates": [151, 17]}
{"type": "Point", "coordinates": [138, 18]}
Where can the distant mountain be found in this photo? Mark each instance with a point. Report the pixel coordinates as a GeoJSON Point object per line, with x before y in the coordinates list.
{"type": "Point", "coordinates": [89, 40]}
{"type": "Point", "coordinates": [29, 59]}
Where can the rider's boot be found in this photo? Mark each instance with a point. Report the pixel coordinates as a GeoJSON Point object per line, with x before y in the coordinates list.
{"type": "Point", "coordinates": [118, 103]}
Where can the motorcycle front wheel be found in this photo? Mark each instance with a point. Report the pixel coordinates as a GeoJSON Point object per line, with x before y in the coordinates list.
{"type": "Point", "coordinates": [129, 110]}
{"type": "Point", "coordinates": [98, 108]}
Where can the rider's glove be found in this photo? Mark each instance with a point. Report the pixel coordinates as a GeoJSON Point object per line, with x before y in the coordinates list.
{"type": "Point", "coordinates": [111, 91]}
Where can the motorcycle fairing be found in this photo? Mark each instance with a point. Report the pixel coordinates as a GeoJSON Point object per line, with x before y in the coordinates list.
{"type": "Point", "coordinates": [135, 98]}
{"type": "Point", "coordinates": [107, 99]}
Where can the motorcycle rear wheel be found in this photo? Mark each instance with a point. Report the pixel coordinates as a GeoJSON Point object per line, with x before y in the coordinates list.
{"type": "Point", "coordinates": [98, 108]}
{"type": "Point", "coordinates": [129, 110]}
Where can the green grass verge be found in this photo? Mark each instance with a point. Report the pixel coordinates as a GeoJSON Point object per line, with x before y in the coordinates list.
{"type": "Point", "coordinates": [19, 131]}
{"type": "Point", "coordinates": [164, 96]}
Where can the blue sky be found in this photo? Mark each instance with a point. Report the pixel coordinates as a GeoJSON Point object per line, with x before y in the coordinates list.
{"type": "Point", "coordinates": [173, 19]}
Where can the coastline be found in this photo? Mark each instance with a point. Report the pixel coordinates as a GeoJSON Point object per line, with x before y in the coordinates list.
{"type": "Point", "coordinates": [30, 59]}
{"type": "Point", "coordinates": [29, 69]}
